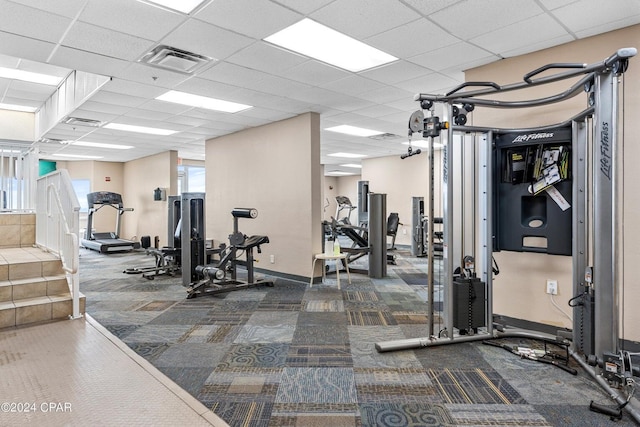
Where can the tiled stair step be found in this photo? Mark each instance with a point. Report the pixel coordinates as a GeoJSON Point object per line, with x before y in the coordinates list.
{"type": "Point", "coordinates": [18, 289]}
{"type": "Point", "coordinates": [30, 268]}
{"type": "Point", "coordinates": [37, 309]}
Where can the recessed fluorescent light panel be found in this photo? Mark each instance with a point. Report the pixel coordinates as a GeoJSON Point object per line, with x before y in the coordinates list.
{"type": "Point", "coordinates": [21, 108]}
{"type": "Point", "coordinates": [339, 173]}
{"type": "Point", "coordinates": [139, 129]}
{"type": "Point", "coordinates": [347, 155]}
{"type": "Point", "coordinates": [353, 130]}
{"type": "Point", "coordinates": [202, 102]}
{"type": "Point", "coordinates": [100, 145]}
{"type": "Point", "coordinates": [311, 39]}
{"type": "Point", "coordinates": [352, 165]}
{"type": "Point", "coordinates": [184, 6]}
{"type": "Point", "coordinates": [27, 76]}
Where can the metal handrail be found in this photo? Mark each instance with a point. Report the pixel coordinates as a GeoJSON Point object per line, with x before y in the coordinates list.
{"type": "Point", "coordinates": [52, 192]}
{"type": "Point", "coordinates": [57, 228]}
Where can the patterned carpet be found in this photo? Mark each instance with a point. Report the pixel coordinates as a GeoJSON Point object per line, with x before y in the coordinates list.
{"type": "Point", "coordinates": [291, 355]}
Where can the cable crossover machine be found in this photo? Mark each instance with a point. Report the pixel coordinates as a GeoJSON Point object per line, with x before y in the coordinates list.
{"type": "Point", "coordinates": [551, 189]}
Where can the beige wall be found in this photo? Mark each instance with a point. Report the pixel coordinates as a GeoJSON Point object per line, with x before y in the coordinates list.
{"type": "Point", "coordinates": [274, 168]}
{"type": "Point", "coordinates": [520, 288]}
{"type": "Point", "coordinates": [402, 180]}
{"type": "Point", "coordinates": [142, 176]}
{"type": "Point", "coordinates": [329, 193]}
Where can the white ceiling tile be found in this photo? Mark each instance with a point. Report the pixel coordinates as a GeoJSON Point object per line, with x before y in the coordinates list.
{"type": "Point", "coordinates": [386, 94]}
{"type": "Point", "coordinates": [248, 16]}
{"type": "Point", "coordinates": [555, 4]}
{"type": "Point", "coordinates": [396, 72]}
{"type": "Point", "coordinates": [113, 98]}
{"type": "Point", "coordinates": [265, 57]}
{"type": "Point", "coordinates": [521, 50]}
{"type": "Point", "coordinates": [140, 113]}
{"type": "Point", "coordinates": [471, 18]}
{"type": "Point", "coordinates": [432, 83]}
{"type": "Point", "coordinates": [25, 47]}
{"type": "Point", "coordinates": [432, 6]}
{"type": "Point", "coordinates": [268, 114]}
{"type": "Point", "coordinates": [353, 85]}
{"type": "Point", "coordinates": [405, 104]}
{"type": "Point", "coordinates": [38, 91]}
{"type": "Point", "coordinates": [208, 88]}
{"type": "Point", "coordinates": [166, 107]}
{"type": "Point", "coordinates": [86, 61]}
{"type": "Point", "coordinates": [304, 7]}
{"type": "Point", "coordinates": [608, 26]}
{"type": "Point", "coordinates": [206, 39]}
{"type": "Point", "coordinates": [68, 8]}
{"type": "Point", "coordinates": [288, 105]}
{"type": "Point", "coordinates": [186, 121]}
{"type": "Point", "coordinates": [32, 23]}
{"type": "Point", "coordinates": [131, 17]}
{"type": "Point", "coordinates": [364, 18]}
{"type": "Point", "coordinates": [318, 97]}
{"type": "Point", "coordinates": [579, 17]}
{"type": "Point", "coordinates": [128, 87]}
{"type": "Point", "coordinates": [151, 75]}
{"type": "Point", "coordinates": [458, 55]}
{"type": "Point", "coordinates": [106, 42]}
{"type": "Point", "coordinates": [537, 30]}
{"type": "Point", "coordinates": [314, 73]}
{"type": "Point", "coordinates": [99, 107]}
{"type": "Point", "coordinates": [377, 111]}
{"type": "Point", "coordinates": [412, 39]}
{"type": "Point", "coordinates": [233, 74]}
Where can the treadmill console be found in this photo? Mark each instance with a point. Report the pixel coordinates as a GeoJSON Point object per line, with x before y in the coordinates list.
{"type": "Point", "coordinates": [104, 198]}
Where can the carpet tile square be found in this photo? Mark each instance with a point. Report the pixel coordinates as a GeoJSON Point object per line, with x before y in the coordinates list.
{"type": "Point", "coordinates": [405, 415]}
{"type": "Point", "coordinates": [255, 356]}
{"type": "Point", "coordinates": [310, 335]}
{"type": "Point", "coordinates": [319, 355]}
{"type": "Point", "coordinates": [317, 385]}
{"type": "Point", "coordinates": [265, 334]}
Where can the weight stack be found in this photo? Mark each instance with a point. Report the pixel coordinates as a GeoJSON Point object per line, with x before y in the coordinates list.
{"type": "Point", "coordinates": [469, 310]}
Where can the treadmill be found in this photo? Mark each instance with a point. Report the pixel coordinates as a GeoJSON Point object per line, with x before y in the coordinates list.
{"type": "Point", "coordinates": [106, 242]}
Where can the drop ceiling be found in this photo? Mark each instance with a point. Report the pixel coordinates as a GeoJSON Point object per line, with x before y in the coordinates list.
{"type": "Point", "coordinates": [435, 41]}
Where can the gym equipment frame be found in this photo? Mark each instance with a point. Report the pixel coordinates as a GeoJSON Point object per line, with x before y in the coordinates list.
{"type": "Point", "coordinates": [167, 258]}
{"type": "Point", "coordinates": [596, 164]}
{"type": "Point", "coordinates": [212, 278]}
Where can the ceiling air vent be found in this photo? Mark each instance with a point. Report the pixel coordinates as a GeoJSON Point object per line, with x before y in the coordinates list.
{"type": "Point", "coordinates": [50, 141]}
{"type": "Point", "coordinates": [77, 121]}
{"type": "Point", "coordinates": [388, 137]}
{"type": "Point", "coordinates": [173, 59]}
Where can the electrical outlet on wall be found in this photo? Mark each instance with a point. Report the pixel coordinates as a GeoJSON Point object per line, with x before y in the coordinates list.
{"type": "Point", "coordinates": [552, 287]}
{"type": "Point", "coordinates": [272, 259]}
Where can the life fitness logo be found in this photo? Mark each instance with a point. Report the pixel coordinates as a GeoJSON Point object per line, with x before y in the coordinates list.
{"type": "Point", "coordinates": [532, 137]}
